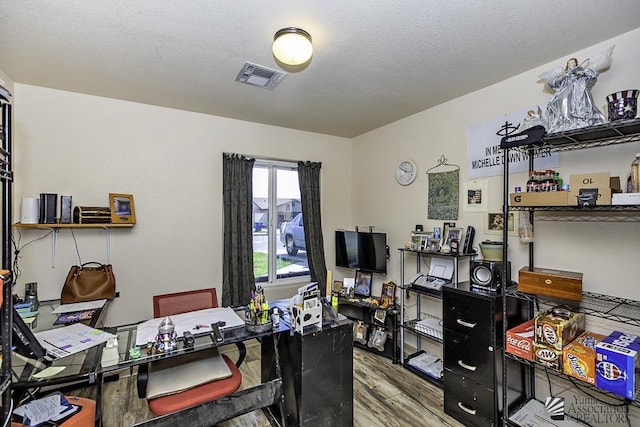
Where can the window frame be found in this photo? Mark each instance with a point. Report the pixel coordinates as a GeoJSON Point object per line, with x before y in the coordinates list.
{"type": "Point", "coordinates": [272, 227]}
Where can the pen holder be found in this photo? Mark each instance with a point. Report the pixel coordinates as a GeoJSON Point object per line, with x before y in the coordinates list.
{"type": "Point", "coordinates": [258, 327]}
{"type": "Point", "coordinates": [257, 322]}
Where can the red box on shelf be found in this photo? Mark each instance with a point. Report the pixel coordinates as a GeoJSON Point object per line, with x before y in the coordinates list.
{"type": "Point", "coordinates": [520, 340]}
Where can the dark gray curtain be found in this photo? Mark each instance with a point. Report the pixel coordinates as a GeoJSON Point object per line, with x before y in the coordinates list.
{"type": "Point", "coordinates": [309, 179]}
{"type": "Point", "coordinates": [237, 197]}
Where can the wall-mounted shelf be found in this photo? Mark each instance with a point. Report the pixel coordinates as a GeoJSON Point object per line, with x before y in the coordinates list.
{"type": "Point", "coordinates": [59, 226]}
{"type": "Point", "coordinates": [107, 227]}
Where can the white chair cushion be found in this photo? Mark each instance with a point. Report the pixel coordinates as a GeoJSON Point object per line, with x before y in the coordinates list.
{"type": "Point", "coordinates": [177, 374]}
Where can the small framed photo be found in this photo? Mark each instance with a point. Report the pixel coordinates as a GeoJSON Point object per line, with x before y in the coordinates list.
{"type": "Point", "coordinates": [363, 283]}
{"type": "Point", "coordinates": [122, 209]}
{"type": "Point", "coordinates": [377, 338]}
{"type": "Point", "coordinates": [337, 286]}
{"type": "Point", "coordinates": [388, 295]}
{"type": "Point", "coordinates": [360, 332]}
{"type": "Point", "coordinates": [433, 245]}
{"type": "Point", "coordinates": [380, 315]}
{"type": "Point", "coordinates": [445, 229]}
{"type": "Point", "coordinates": [494, 223]}
{"type": "Point", "coordinates": [453, 234]}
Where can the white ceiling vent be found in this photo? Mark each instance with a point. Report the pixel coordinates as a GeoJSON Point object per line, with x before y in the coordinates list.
{"type": "Point", "coordinates": [260, 76]}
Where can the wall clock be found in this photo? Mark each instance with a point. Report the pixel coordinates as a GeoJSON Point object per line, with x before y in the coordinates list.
{"type": "Point", "coordinates": [406, 172]}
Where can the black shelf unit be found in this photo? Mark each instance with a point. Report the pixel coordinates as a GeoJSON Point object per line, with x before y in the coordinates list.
{"type": "Point", "coordinates": [428, 331]}
{"type": "Point", "coordinates": [593, 304]}
{"type": "Point", "coordinates": [360, 311]}
{"type": "Point", "coordinates": [6, 176]}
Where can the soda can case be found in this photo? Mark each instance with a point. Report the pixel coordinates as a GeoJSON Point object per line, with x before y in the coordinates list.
{"type": "Point", "coordinates": [616, 362]}
{"type": "Point", "coordinates": [579, 357]}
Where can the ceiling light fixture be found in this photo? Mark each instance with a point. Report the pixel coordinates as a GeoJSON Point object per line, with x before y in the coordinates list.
{"type": "Point", "coordinates": [292, 46]}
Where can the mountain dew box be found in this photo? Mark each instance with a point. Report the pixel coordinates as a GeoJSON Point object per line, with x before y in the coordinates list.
{"type": "Point", "coordinates": [616, 362]}
{"type": "Point", "coordinates": [579, 357]}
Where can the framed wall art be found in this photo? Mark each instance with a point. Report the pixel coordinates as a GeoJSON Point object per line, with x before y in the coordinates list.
{"type": "Point", "coordinates": [494, 223]}
{"type": "Point", "coordinates": [122, 208]}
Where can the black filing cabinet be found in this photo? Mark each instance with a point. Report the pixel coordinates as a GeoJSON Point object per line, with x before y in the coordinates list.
{"type": "Point", "coordinates": [317, 375]}
{"type": "Point", "coordinates": [473, 345]}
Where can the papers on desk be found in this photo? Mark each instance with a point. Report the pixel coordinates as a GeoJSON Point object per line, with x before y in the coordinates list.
{"type": "Point", "coordinates": [197, 322]}
{"type": "Point", "coordinates": [80, 306]}
{"type": "Point", "coordinates": [49, 408]}
{"type": "Point", "coordinates": [61, 342]}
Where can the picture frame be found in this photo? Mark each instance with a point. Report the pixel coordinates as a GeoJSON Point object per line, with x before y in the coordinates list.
{"type": "Point", "coordinates": [337, 286]}
{"type": "Point", "coordinates": [380, 316]}
{"type": "Point", "coordinates": [433, 245]}
{"type": "Point", "coordinates": [494, 223]}
{"type": "Point", "coordinates": [445, 229]}
{"type": "Point", "coordinates": [360, 332]}
{"type": "Point", "coordinates": [377, 338]}
{"type": "Point", "coordinates": [363, 283]}
{"type": "Point", "coordinates": [452, 233]}
{"type": "Point", "coordinates": [388, 294]}
{"type": "Point", "coordinates": [122, 208]}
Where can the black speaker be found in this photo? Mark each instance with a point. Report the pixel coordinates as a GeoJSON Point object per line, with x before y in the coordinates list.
{"type": "Point", "coordinates": [489, 275]}
{"type": "Point", "coordinates": [48, 208]}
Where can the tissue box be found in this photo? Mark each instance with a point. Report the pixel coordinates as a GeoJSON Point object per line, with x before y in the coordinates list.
{"type": "Point", "coordinates": [520, 340]}
{"type": "Point", "coordinates": [616, 362]}
{"type": "Point", "coordinates": [579, 357]}
{"type": "Point", "coordinates": [558, 327]}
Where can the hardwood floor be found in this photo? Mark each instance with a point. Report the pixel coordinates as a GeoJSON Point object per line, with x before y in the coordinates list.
{"type": "Point", "coordinates": [384, 395]}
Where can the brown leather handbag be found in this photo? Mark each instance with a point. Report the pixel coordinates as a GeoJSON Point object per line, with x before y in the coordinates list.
{"type": "Point", "coordinates": [89, 283]}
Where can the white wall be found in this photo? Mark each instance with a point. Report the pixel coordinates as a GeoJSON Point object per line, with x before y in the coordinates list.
{"type": "Point", "coordinates": [605, 252]}
{"type": "Point", "coordinates": [171, 161]}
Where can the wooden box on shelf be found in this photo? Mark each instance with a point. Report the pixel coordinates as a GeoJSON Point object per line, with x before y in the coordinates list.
{"type": "Point", "coordinates": [553, 283]}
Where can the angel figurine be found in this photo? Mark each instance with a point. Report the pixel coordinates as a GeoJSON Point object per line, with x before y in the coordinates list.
{"type": "Point", "coordinates": [572, 106]}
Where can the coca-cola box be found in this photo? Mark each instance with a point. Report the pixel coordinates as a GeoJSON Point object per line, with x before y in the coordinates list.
{"type": "Point", "coordinates": [520, 340]}
{"type": "Point", "coordinates": [579, 357]}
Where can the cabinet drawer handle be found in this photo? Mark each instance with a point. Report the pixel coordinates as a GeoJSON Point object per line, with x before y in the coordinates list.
{"type": "Point", "coordinates": [465, 409]}
{"type": "Point", "coordinates": [466, 324]}
{"type": "Point", "coordinates": [465, 366]}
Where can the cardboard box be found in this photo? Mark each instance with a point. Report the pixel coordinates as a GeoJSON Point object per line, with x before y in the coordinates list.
{"type": "Point", "coordinates": [579, 357]}
{"type": "Point", "coordinates": [558, 326]}
{"type": "Point", "coordinates": [605, 184]}
{"type": "Point", "coordinates": [554, 283]}
{"type": "Point", "coordinates": [616, 362]}
{"type": "Point", "coordinates": [547, 356]}
{"type": "Point", "coordinates": [625, 199]}
{"type": "Point", "coordinates": [520, 340]}
{"type": "Point", "coordinates": [547, 198]}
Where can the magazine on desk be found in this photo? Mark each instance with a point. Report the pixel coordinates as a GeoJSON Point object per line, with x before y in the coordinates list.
{"type": "Point", "coordinates": [74, 317]}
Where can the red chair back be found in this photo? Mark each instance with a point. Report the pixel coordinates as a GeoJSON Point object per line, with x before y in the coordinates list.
{"type": "Point", "coordinates": [183, 302]}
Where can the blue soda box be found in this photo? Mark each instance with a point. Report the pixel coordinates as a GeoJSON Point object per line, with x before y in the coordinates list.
{"type": "Point", "coordinates": [616, 361]}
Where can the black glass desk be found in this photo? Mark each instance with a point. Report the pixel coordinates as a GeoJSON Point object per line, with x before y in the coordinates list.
{"type": "Point", "coordinates": [85, 367]}
{"type": "Point", "coordinates": [79, 367]}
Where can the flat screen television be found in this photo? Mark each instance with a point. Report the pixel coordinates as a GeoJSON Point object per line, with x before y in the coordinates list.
{"type": "Point", "coordinates": [346, 249]}
{"type": "Point", "coordinates": [362, 250]}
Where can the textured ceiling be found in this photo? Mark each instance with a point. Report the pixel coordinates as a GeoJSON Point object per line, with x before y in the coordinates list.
{"type": "Point", "coordinates": [375, 61]}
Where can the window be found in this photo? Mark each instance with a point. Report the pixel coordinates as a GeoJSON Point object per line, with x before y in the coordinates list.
{"type": "Point", "coordinates": [279, 251]}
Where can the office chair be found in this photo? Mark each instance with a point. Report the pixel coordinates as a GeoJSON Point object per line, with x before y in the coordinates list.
{"type": "Point", "coordinates": [182, 302]}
